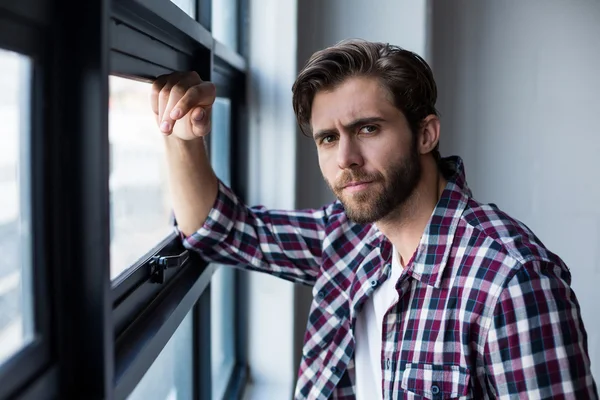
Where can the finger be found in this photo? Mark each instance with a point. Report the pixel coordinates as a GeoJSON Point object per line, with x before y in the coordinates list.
{"type": "Point", "coordinates": [201, 120]}
{"type": "Point", "coordinates": [163, 100]}
{"type": "Point", "coordinates": [177, 92]}
{"type": "Point", "coordinates": [202, 94]}
{"type": "Point", "coordinates": [157, 86]}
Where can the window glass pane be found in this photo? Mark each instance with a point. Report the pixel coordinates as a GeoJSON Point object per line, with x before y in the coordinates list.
{"type": "Point", "coordinates": [140, 209]}
{"type": "Point", "coordinates": [222, 327]}
{"type": "Point", "coordinates": [220, 139]}
{"type": "Point", "coordinates": [170, 377]}
{"type": "Point", "coordinates": [189, 6]}
{"type": "Point", "coordinates": [16, 294]}
{"type": "Point", "coordinates": [222, 283]}
{"type": "Point", "coordinates": [224, 22]}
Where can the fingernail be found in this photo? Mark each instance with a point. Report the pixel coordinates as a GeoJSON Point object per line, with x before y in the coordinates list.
{"type": "Point", "coordinates": [165, 126]}
{"type": "Point", "coordinates": [176, 113]}
{"type": "Point", "coordinates": [200, 116]}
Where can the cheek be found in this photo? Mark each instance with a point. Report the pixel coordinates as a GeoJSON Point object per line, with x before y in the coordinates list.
{"type": "Point", "coordinates": [387, 151]}
{"type": "Point", "coordinates": [328, 165]}
{"type": "Point", "coordinates": [374, 157]}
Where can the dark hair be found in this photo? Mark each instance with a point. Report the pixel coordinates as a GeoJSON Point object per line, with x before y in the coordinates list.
{"type": "Point", "coordinates": [403, 73]}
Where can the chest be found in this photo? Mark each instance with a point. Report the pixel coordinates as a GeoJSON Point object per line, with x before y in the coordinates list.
{"type": "Point", "coordinates": [429, 336]}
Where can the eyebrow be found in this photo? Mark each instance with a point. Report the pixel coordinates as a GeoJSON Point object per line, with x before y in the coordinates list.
{"type": "Point", "coordinates": [350, 127]}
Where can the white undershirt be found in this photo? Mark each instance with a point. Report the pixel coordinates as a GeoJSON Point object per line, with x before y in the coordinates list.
{"type": "Point", "coordinates": [368, 329]}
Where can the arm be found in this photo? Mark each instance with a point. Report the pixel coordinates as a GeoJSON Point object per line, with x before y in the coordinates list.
{"type": "Point", "coordinates": [193, 184]}
{"type": "Point", "coordinates": [210, 218]}
{"type": "Point", "coordinates": [287, 244]}
{"type": "Point", "coordinates": [182, 103]}
{"type": "Point", "coordinates": [537, 344]}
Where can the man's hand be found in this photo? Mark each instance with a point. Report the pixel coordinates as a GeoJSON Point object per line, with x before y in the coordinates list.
{"type": "Point", "coordinates": [182, 103]}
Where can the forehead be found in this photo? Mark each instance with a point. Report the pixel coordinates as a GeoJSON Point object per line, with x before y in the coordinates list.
{"type": "Point", "coordinates": [357, 97]}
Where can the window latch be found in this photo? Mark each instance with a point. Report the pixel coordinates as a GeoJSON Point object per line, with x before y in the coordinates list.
{"type": "Point", "coordinates": [158, 265]}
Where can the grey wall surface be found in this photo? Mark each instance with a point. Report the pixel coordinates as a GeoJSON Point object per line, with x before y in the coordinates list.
{"type": "Point", "coordinates": [519, 88]}
{"type": "Point", "coordinates": [519, 85]}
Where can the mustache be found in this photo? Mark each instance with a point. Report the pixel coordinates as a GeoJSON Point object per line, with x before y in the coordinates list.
{"type": "Point", "coordinates": [354, 176]}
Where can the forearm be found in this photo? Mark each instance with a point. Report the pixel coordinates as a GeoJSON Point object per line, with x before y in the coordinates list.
{"type": "Point", "coordinates": [287, 244]}
{"type": "Point", "coordinates": [193, 184]}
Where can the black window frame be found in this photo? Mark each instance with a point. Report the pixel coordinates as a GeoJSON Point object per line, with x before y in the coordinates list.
{"type": "Point", "coordinates": [98, 337]}
{"type": "Point", "coordinates": [228, 74]}
{"type": "Point", "coordinates": [23, 32]}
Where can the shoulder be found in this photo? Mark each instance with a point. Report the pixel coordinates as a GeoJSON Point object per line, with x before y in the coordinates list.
{"type": "Point", "coordinates": [510, 235]}
{"type": "Point", "coordinates": [499, 250]}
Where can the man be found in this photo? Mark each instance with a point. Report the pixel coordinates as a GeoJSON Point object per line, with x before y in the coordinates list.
{"type": "Point", "coordinates": [419, 290]}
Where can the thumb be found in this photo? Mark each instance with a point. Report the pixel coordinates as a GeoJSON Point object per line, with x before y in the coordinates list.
{"type": "Point", "coordinates": [201, 120]}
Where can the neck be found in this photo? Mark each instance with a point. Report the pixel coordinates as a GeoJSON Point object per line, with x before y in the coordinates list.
{"type": "Point", "coordinates": [405, 226]}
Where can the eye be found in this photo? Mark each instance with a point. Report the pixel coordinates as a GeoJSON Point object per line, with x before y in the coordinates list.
{"type": "Point", "coordinates": [368, 129]}
{"type": "Point", "coordinates": [328, 139]}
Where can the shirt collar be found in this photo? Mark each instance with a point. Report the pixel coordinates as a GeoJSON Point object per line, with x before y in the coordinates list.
{"type": "Point", "coordinates": [432, 254]}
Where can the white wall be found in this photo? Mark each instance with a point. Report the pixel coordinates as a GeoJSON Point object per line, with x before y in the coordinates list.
{"type": "Point", "coordinates": [519, 85]}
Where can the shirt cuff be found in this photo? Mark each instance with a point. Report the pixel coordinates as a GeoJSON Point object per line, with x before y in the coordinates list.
{"type": "Point", "coordinates": [218, 223]}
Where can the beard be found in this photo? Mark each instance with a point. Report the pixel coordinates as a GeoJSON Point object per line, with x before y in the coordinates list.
{"type": "Point", "coordinates": [385, 194]}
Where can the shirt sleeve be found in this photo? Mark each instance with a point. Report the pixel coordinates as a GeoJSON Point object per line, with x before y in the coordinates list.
{"type": "Point", "coordinates": [537, 344]}
{"type": "Point", "coordinates": [287, 244]}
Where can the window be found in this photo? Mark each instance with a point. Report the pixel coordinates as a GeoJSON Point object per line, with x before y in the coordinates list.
{"type": "Point", "coordinates": [140, 210]}
{"type": "Point", "coordinates": [92, 272]}
{"type": "Point", "coordinates": [189, 6]}
{"type": "Point", "coordinates": [141, 286]}
{"type": "Point", "coordinates": [224, 22]}
{"type": "Point", "coordinates": [171, 375]}
{"type": "Point", "coordinates": [222, 329]}
{"type": "Point", "coordinates": [16, 305]}
{"type": "Point", "coordinates": [223, 281]}
{"type": "Point", "coordinates": [25, 311]}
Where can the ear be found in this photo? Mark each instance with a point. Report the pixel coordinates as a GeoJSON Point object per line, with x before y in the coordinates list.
{"type": "Point", "coordinates": [429, 134]}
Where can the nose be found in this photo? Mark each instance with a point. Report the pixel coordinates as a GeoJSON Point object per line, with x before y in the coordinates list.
{"type": "Point", "coordinates": [349, 155]}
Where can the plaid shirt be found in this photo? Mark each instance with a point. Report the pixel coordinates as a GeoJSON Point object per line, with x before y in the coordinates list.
{"type": "Point", "coordinates": [484, 309]}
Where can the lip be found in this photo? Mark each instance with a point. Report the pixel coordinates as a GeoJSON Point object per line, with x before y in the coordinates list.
{"type": "Point", "coordinates": [357, 186]}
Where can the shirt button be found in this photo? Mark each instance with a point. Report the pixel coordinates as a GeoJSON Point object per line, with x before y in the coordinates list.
{"type": "Point", "coordinates": [373, 283]}
{"type": "Point", "coordinates": [334, 370]}
{"type": "Point", "coordinates": [435, 389]}
{"type": "Point", "coordinates": [321, 295]}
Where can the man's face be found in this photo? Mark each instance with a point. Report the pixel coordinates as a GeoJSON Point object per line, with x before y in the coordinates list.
{"type": "Point", "coordinates": [367, 153]}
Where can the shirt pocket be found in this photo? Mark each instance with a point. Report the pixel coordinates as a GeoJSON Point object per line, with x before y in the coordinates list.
{"type": "Point", "coordinates": [434, 381]}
